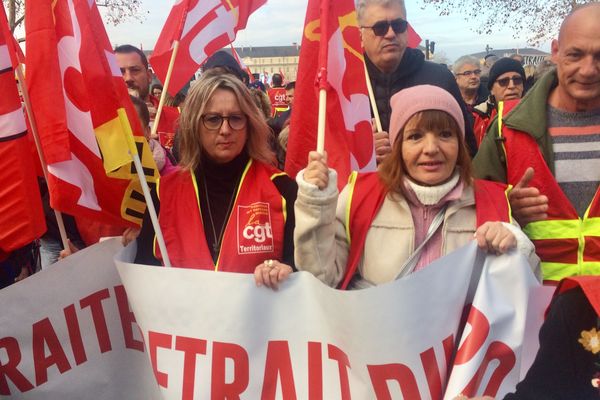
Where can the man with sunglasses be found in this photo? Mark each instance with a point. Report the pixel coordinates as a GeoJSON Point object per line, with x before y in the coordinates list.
{"type": "Point", "coordinates": [392, 66]}
{"type": "Point", "coordinates": [505, 83]}
{"type": "Point", "coordinates": [548, 147]}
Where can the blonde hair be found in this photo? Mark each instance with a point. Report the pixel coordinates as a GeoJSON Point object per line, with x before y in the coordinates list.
{"type": "Point", "coordinates": [392, 170]}
{"type": "Point", "coordinates": [190, 121]}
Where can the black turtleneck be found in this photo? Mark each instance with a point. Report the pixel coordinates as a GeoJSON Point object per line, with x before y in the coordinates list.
{"type": "Point", "coordinates": [220, 182]}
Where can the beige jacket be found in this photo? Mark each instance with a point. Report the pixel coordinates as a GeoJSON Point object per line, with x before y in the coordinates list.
{"type": "Point", "coordinates": [321, 240]}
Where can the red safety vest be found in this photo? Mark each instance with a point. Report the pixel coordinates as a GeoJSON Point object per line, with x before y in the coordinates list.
{"type": "Point", "coordinates": [566, 244]}
{"type": "Point", "coordinates": [277, 97]}
{"type": "Point", "coordinates": [367, 194]}
{"type": "Point", "coordinates": [254, 230]}
{"type": "Point", "coordinates": [590, 285]}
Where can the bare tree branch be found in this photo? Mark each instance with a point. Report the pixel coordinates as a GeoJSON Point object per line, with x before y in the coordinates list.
{"type": "Point", "coordinates": [117, 11]}
{"type": "Point", "coordinates": [532, 20]}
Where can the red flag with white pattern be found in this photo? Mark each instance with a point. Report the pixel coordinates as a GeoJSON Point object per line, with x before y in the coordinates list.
{"type": "Point", "coordinates": [21, 214]}
{"type": "Point", "coordinates": [348, 134]}
{"type": "Point", "coordinates": [84, 114]}
{"type": "Point", "coordinates": [202, 27]}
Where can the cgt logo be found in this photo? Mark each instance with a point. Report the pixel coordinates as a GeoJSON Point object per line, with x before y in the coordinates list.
{"type": "Point", "coordinates": [259, 233]}
{"type": "Point", "coordinates": [255, 233]}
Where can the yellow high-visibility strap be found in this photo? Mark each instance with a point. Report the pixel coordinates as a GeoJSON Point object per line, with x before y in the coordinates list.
{"type": "Point", "coordinates": [500, 122]}
{"type": "Point", "coordinates": [352, 185]}
{"type": "Point", "coordinates": [557, 271]}
{"type": "Point", "coordinates": [562, 229]}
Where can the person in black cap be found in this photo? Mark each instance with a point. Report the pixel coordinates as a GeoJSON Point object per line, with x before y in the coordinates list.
{"type": "Point", "coordinates": [506, 79]}
{"type": "Point", "coordinates": [225, 62]}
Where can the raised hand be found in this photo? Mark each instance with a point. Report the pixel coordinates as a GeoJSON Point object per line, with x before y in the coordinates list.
{"type": "Point", "coordinates": [527, 203]}
{"type": "Point", "coordinates": [316, 171]}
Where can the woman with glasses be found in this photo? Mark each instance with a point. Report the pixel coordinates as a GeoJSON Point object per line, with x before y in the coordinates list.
{"type": "Point", "coordinates": [226, 208]}
{"type": "Point", "coordinates": [506, 82]}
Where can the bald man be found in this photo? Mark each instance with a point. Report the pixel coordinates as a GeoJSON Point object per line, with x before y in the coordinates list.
{"type": "Point", "coordinates": [549, 149]}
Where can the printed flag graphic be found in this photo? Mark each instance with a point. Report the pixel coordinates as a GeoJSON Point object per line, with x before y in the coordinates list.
{"type": "Point", "coordinates": [202, 27]}
{"type": "Point", "coordinates": [332, 48]}
{"type": "Point", "coordinates": [21, 214]}
{"type": "Point", "coordinates": [84, 114]}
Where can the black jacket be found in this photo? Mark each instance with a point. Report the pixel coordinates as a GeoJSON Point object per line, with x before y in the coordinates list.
{"type": "Point", "coordinates": [412, 71]}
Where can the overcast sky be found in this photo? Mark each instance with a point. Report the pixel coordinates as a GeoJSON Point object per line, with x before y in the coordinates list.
{"type": "Point", "coordinates": [280, 22]}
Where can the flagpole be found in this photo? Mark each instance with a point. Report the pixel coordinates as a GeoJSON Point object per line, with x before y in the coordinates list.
{"type": "Point", "coordinates": [321, 121]}
{"type": "Point", "coordinates": [372, 99]}
{"type": "Point", "coordinates": [322, 74]}
{"type": "Point", "coordinates": [145, 189]}
{"type": "Point", "coordinates": [36, 138]}
{"type": "Point", "coordinates": [163, 95]}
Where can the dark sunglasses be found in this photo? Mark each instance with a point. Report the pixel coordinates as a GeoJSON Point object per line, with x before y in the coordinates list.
{"type": "Point", "coordinates": [517, 80]}
{"type": "Point", "coordinates": [380, 28]}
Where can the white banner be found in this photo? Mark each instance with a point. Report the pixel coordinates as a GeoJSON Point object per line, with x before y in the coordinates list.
{"type": "Point", "coordinates": [67, 333]}
{"type": "Point", "coordinates": [215, 335]}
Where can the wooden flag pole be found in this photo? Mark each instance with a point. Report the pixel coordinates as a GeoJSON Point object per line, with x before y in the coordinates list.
{"type": "Point", "coordinates": [38, 146]}
{"type": "Point", "coordinates": [372, 99]}
{"type": "Point", "coordinates": [321, 121]}
{"type": "Point", "coordinates": [163, 95]}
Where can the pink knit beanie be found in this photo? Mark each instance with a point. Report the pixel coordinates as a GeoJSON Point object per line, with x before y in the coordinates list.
{"type": "Point", "coordinates": [408, 102]}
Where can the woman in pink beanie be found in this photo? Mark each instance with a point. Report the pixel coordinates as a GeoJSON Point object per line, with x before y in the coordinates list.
{"type": "Point", "coordinates": [421, 204]}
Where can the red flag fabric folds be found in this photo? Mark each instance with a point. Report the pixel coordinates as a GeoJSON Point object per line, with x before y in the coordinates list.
{"type": "Point", "coordinates": [83, 113]}
{"type": "Point", "coordinates": [21, 214]}
{"type": "Point", "coordinates": [202, 27]}
{"type": "Point", "coordinates": [348, 132]}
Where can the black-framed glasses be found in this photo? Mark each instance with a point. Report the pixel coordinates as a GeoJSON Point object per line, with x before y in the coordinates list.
{"type": "Point", "coordinates": [214, 122]}
{"type": "Point", "coordinates": [380, 28]}
{"type": "Point", "coordinates": [517, 80]}
{"type": "Point", "coordinates": [475, 72]}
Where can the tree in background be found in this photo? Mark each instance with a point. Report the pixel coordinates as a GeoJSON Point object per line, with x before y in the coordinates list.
{"type": "Point", "coordinates": [115, 11]}
{"type": "Point", "coordinates": [534, 20]}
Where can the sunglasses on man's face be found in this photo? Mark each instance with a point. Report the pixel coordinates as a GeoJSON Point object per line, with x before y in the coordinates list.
{"type": "Point", "coordinates": [380, 28]}
{"type": "Point", "coordinates": [517, 80]}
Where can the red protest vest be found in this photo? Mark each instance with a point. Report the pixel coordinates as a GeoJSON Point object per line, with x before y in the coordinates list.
{"type": "Point", "coordinates": [277, 97]}
{"type": "Point", "coordinates": [566, 244]}
{"type": "Point", "coordinates": [367, 194]}
{"type": "Point", "coordinates": [590, 285]}
{"type": "Point", "coordinates": [254, 230]}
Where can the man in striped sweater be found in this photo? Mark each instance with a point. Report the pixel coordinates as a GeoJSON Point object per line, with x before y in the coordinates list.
{"type": "Point", "coordinates": [548, 147]}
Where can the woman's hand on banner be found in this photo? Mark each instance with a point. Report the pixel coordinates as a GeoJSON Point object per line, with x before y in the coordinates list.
{"type": "Point", "coordinates": [494, 237]}
{"type": "Point", "coordinates": [271, 273]}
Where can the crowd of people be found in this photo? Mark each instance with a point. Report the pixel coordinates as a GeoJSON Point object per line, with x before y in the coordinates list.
{"type": "Point", "coordinates": [482, 151]}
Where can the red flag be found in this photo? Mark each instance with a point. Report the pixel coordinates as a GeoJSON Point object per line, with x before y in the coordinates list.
{"type": "Point", "coordinates": [349, 138]}
{"type": "Point", "coordinates": [167, 127]}
{"type": "Point", "coordinates": [21, 214]}
{"type": "Point", "coordinates": [414, 40]}
{"type": "Point", "coordinates": [83, 113]}
{"type": "Point", "coordinates": [202, 27]}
